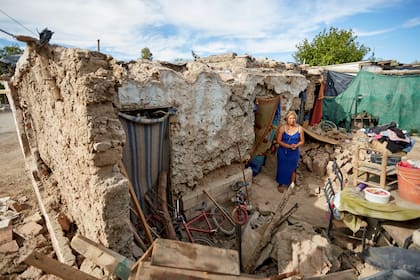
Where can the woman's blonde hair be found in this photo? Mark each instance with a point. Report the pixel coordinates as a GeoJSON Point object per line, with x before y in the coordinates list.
{"type": "Point", "coordinates": [289, 114]}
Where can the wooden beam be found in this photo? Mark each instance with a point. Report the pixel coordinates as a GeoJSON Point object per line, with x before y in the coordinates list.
{"type": "Point", "coordinates": [348, 274]}
{"type": "Point", "coordinates": [319, 137]}
{"type": "Point", "coordinates": [136, 203]}
{"type": "Point", "coordinates": [163, 206]}
{"type": "Point", "coordinates": [102, 256]}
{"type": "Point", "coordinates": [178, 254]}
{"type": "Point", "coordinates": [55, 267]}
{"type": "Point", "coordinates": [227, 215]}
{"type": "Point", "coordinates": [147, 271]}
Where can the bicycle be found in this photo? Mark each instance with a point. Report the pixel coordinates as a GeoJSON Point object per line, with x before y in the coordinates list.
{"type": "Point", "coordinates": [201, 223]}
{"type": "Point", "coordinates": [240, 211]}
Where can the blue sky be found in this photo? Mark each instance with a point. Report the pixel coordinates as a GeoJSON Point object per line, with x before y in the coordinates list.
{"type": "Point", "coordinates": [172, 28]}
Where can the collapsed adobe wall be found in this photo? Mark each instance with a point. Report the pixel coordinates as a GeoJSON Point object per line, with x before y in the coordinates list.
{"type": "Point", "coordinates": [66, 103]}
{"type": "Point", "coordinates": [214, 99]}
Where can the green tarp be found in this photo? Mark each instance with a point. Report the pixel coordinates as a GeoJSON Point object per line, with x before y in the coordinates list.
{"type": "Point", "coordinates": [385, 97]}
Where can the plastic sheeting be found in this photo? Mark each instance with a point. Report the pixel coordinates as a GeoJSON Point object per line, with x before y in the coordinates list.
{"type": "Point", "coordinates": [387, 98]}
{"type": "Point", "coordinates": [337, 83]}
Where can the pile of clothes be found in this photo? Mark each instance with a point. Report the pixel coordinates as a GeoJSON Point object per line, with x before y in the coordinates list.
{"type": "Point", "coordinates": [396, 139]}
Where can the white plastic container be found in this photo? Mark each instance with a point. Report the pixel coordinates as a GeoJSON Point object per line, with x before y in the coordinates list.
{"type": "Point", "coordinates": [377, 195]}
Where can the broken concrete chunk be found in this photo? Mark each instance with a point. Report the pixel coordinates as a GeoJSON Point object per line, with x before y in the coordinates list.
{"type": "Point", "coordinates": [33, 218]}
{"type": "Point", "coordinates": [6, 234]}
{"type": "Point", "coordinates": [31, 273]}
{"type": "Point", "coordinates": [22, 199]}
{"type": "Point", "coordinates": [39, 241]}
{"type": "Point", "coordinates": [30, 229]}
{"type": "Point", "coordinates": [9, 247]}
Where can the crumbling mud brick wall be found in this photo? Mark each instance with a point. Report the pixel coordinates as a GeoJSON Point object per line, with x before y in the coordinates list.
{"type": "Point", "coordinates": [66, 101]}
{"type": "Point", "coordinates": [214, 101]}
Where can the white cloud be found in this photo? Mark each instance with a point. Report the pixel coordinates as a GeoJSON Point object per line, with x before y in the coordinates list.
{"type": "Point", "coordinates": [124, 27]}
{"type": "Point", "coordinates": [373, 32]}
{"type": "Point", "coordinates": [412, 22]}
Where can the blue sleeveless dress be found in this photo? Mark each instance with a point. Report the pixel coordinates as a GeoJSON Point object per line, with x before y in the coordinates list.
{"type": "Point", "coordinates": [287, 159]}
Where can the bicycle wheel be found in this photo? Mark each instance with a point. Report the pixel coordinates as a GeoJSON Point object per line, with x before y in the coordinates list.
{"type": "Point", "coordinates": [240, 215]}
{"type": "Point", "coordinates": [203, 241]}
{"type": "Point", "coordinates": [221, 221]}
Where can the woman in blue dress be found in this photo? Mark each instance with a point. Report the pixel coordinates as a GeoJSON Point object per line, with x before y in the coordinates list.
{"type": "Point", "coordinates": [289, 138]}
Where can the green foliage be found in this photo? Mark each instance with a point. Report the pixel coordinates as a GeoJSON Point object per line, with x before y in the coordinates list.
{"type": "Point", "coordinates": [332, 47]}
{"type": "Point", "coordinates": [10, 50]}
{"type": "Point", "coordinates": [146, 54]}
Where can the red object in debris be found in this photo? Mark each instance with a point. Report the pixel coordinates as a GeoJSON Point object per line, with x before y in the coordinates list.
{"type": "Point", "coordinates": [408, 182]}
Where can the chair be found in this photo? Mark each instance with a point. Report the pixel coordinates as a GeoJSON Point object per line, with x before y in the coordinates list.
{"type": "Point", "coordinates": [334, 213]}
{"type": "Point", "coordinates": [338, 174]}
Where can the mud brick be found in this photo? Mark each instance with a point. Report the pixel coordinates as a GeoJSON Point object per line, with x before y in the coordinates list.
{"type": "Point", "coordinates": [6, 234]}
{"type": "Point", "coordinates": [30, 229]}
{"type": "Point", "coordinates": [9, 247]}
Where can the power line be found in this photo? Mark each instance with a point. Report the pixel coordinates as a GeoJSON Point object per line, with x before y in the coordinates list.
{"type": "Point", "coordinates": [3, 12]}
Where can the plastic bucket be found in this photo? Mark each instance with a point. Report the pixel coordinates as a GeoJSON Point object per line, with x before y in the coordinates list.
{"type": "Point", "coordinates": [409, 183]}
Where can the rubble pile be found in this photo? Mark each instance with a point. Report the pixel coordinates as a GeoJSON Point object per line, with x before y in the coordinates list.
{"type": "Point", "coordinates": [22, 230]}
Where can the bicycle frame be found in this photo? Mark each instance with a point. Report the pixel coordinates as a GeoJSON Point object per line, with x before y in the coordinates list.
{"type": "Point", "coordinates": [189, 228]}
{"type": "Point", "coordinates": [188, 224]}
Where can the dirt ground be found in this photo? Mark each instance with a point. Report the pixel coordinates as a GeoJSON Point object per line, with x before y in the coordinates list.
{"type": "Point", "coordinates": [14, 179]}
{"type": "Point", "coordinates": [15, 182]}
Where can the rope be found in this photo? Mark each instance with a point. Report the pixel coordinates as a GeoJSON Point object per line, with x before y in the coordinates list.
{"type": "Point", "coordinates": [3, 12]}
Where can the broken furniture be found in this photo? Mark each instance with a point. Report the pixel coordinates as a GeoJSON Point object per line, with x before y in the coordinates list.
{"type": "Point", "coordinates": [334, 212]}
{"type": "Point", "coordinates": [362, 120]}
{"type": "Point", "coordinates": [384, 169]}
{"type": "Point", "coordinates": [171, 259]}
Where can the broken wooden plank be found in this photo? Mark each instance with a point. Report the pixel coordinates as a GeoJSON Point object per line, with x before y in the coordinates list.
{"type": "Point", "coordinates": [154, 272]}
{"type": "Point", "coordinates": [319, 137]}
{"type": "Point", "coordinates": [163, 206]}
{"type": "Point", "coordinates": [55, 267]}
{"type": "Point", "coordinates": [178, 254]}
{"type": "Point", "coordinates": [136, 203]}
{"type": "Point", "coordinates": [348, 274]}
{"type": "Point", "coordinates": [146, 255]}
{"type": "Point", "coordinates": [227, 215]}
{"type": "Point", "coordinates": [102, 256]}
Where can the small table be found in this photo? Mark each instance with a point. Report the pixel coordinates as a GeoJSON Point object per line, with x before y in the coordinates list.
{"type": "Point", "coordinates": [353, 202]}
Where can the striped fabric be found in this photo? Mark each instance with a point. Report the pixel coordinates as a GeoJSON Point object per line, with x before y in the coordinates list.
{"type": "Point", "coordinates": [146, 152]}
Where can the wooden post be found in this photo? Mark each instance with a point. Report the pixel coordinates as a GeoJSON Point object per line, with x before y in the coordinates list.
{"type": "Point", "coordinates": [356, 164]}
{"type": "Point", "coordinates": [136, 203]}
{"type": "Point", "coordinates": [384, 163]}
{"type": "Point", "coordinates": [243, 173]}
{"type": "Point", "coordinates": [163, 206]}
{"type": "Point", "coordinates": [220, 208]}
{"type": "Point", "coordinates": [55, 267]}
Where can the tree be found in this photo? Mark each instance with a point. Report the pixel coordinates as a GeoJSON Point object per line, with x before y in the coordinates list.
{"type": "Point", "coordinates": [8, 65]}
{"type": "Point", "coordinates": [332, 47]}
{"type": "Point", "coordinates": [10, 50]}
{"type": "Point", "coordinates": [146, 54]}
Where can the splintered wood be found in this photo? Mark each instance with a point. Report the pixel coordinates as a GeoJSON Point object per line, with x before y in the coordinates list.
{"type": "Point", "coordinates": [177, 254]}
